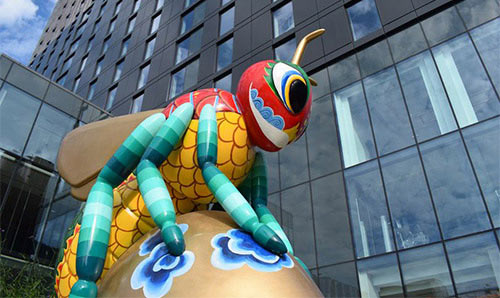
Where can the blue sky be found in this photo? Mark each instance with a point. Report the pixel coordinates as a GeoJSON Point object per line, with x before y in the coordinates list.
{"type": "Point", "coordinates": [21, 25]}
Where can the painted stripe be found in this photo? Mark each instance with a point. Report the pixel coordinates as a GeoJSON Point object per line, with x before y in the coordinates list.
{"type": "Point", "coordinates": [98, 209]}
{"type": "Point", "coordinates": [94, 234]}
{"type": "Point", "coordinates": [236, 104]}
{"type": "Point", "coordinates": [91, 249]}
{"type": "Point", "coordinates": [216, 102]}
{"type": "Point", "coordinates": [97, 221]}
{"type": "Point", "coordinates": [191, 98]}
{"type": "Point", "coordinates": [156, 194]}
{"type": "Point", "coordinates": [233, 201]}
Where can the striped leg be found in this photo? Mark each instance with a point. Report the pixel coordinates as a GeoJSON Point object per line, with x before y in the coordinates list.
{"type": "Point", "coordinates": [226, 193]}
{"type": "Point", "coordinates": [96, 221]}
{"type": "Point", "coordinates": [151, 184]}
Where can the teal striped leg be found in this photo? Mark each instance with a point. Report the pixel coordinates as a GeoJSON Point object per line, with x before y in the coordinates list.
{"type": "Point", "coordinates": [96, 221]}
{"type": "Point", "coordinates": [150, 180]}
{"type": "Point", "coordinates": [259, 199]}
{"type": "Point", "coordinates": [226, 193]}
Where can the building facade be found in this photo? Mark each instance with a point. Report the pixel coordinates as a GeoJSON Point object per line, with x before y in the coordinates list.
{"type": "Point", "coordinates": [394, 189]}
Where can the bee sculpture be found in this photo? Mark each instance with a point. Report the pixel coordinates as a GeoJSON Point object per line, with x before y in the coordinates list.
{"type": "Point", "coordinates": [196, 151]}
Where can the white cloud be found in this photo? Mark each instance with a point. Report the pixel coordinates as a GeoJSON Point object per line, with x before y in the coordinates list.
{"type": "Point", "coordinates": [15, 11]}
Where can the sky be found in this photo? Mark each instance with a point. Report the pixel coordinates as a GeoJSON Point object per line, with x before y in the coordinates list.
{"type": "Point", "coordinates": [21, 25]}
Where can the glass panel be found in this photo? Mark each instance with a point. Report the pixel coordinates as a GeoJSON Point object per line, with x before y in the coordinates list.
{"type": "Point", "coordinates": [407, 43]}
{"type": "Point", "coordinates": [283, 19]}
{"type": "Point", "coordinates": [150, 46]}
{"type": "Point", "coordinates": [323, 147]}
{"type": "Point", "coordinates": [297, 222]}
{"type": "Point", "coordinates": [476, 12]}
{"type": "Point", "coordinates": [388, 113]}
{"type": "Point", "coordinates": [344, 72]}
{"type": "Point", "coordinates": [456, 196]}
{"type": "Point", "coordinates": [225, 82]}
{"type": "Point", "coordinates": [354, 126]}
{"type": "Point", "coordinates": [112, 26]}
{"type": "Point", "coordinates": [155, 23]}
{"type": "Point", "coordinates": [184, 78]}
{"type": "Point", "coordinates": [193, 18]}
{"type": "Point", "coordinates": [469, 89]}
{"type": "Point", "coordinates": [90, 95]}
{"type": "Point", "coordinates": [364, 18]}
{"type": "Point", "coordinates": [482, 141]}
{"type": "Point", "coordinates": [159, 4]}
{"type": "Point", "coordinates": [379, 277]}
{"type": "Point", "coordinates": [425, 272]}
{"type": "Point", "coordinates": [374, 58]}
{"type": "Point", "coordinates": [118, 71]}
{"type": "Point", "coordinates": [125, 47]}
{"type": "Point", "coordinates": [189, 45]}
{"type": "Point", "coordinates": [339, 281]}
{"type": "Point", "coordinates": [430, 111]}
{"type": "Point", "coordinates": [411, 209]}
{"type": "Point", "coordinates": [98, 67]}
{"type": "Point", "coordinates": [370, 222]}
{"type": "Point", "coordinates": [293, 164]}
{"type": "Point", "coordinates": [17, 114]}
{"type": "Point", "coordinates": [189, 2]}
{"type": "Point", "coordinates": [76, 84]}
{"type": "Point", "coordinates": [334, 245]}
{"type": "Point", "coordinates": [273, 174]}
{"type": "Point", "coordinates": [131, 24]}
{"type": "Point", "coordinates": [225, 54]}
{"type": "Point", "coordinates": [285, 51]}
{"type": "Point", "coordinates": [111, 98]}
{"type": "Point", "coordinates": [487, 40]}
{"type": "Point", "coordinates": [50, 128]}
{"type": "Point", "coordinates": [323, 87]}
{"type": "Point", "coordinates": [137, 104]}
{"type": "Point", "coordinates": [137, 5]}
{"type": "Point", "coordinates": [273, 204]}
{"type": "Point", "coordinates": [444, 25]}
{"type": "Point", "coordinates": [84, 62]}
{"type": "Point", "coordinates": [226, 21]}
{"type": "Point", "coordinates": [143, 78]}
{"type": "Point", "coordinates": [475, 262]}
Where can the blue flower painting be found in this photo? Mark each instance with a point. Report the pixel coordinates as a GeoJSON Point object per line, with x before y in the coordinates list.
{"type": "Point", "coordinates": [155, 274]}
{"type": "Point", "coordinates": [236, 248]}
{"type": "Point", "coordinates": [266, 112]}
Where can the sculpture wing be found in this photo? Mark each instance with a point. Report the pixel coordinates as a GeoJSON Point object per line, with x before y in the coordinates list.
{"type": "Point", "coordinates": [85, 150]}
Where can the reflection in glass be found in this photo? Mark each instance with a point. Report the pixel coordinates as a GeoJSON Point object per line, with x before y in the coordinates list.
{"type": "Point", "coordinates": [143, 77]}
{"type": "Point", "coordinates": [150, 46]}
{"type": "Point", "coordinates": [456, 196]}
{"type": "Point", "coordinates": [189, 45]}
{"type": "Point", "coordinates": [225, 82]}
{"type": "Point", "coordinates": [475, 263]}
{"type": "Point", "coordinates": [283, 19]}
{"type": "Point", "coordinates": [364, 18]}
{"type": "Point", "coordinates": [476, 12]}
{"type": "Point", "coordinates": [194, 17]}
{"type": "Point", "coordinates": [50, 128]}
{"type": "Point", "coordinates": [184, 78]}
{"type": "Point", "coordinates": [370, 222]}
{"type": "Point", "coordinates": [285, 51]}
{"type": "Point", "coordinates": [274, 205]}
{"type": "Point", "coordinates": [388, 113]}
{"type": "Point", "coordinates": [374, 58]}
{"type": "Point", "coordinates": [482, 140]}
{"type": "Point", "coordinates": [469, 89]}
{"type": "Point", "coordinates": [111, 97]}
{"type": "Point", "coordinates": [297, 222]}
{"type": "Point", "coordinates": [444, 25]}
{"type": "Point", "coordinates": [137, 104]}
{"type": "Point", "coordinates": [293, 163]}
{"type": "Point", "coordinates": [226, 21]}
{"type": "Point", "coordinates": [331, 221]}
{"type": "Point", "coordinates": [407, 42]}
{"type": "Point", "coordinates": [339, 281]}
{"type": "Point", "coordinates": [425, 272]}
{"type": "Point", "coordinates": [323, 149]}
{"type": "Point", "coordinates": [409, 200]}
{"type": "Point", "coordinates": [131, 25]}
{"type": "Point", "coordinates": [272, 165]}
{"type": "Point", "coordinates": [225, 54]}
{"type": "Point", "coordinates": [379, 277]}
{"type": "Point", "coordinates": [344, 72]}
{"type": "Point", "coordinates": [354, 126]}
{"type": "Point", "coordinates": [155, 23]}
{"type": "Point", "coordinates": [323, 87]}
{"type": "Point", "coordinates": [487, 40]}
{"type": "Point", "coordinates": [429, 109]}
{"type": "Point", "coordinates": [17, 113]}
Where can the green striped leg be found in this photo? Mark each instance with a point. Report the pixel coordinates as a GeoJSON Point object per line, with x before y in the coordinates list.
{"type": "Point", "coordinates": [226, 193]}
{"type": "Point", "coordinates": [96, 222]}
{"type": "Point", "coordinates": [151, 184]}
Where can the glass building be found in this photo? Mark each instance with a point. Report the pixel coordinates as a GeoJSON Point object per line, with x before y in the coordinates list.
{"type": "Point", "coordinates": [394, 190]}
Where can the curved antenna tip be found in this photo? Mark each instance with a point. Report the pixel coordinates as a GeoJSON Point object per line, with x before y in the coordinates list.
{"type": "Point", "coordinates": [299, 52]}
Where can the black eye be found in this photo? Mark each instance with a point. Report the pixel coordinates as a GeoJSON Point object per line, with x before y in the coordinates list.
{"type": "Point", "coordinates": [298, 95]}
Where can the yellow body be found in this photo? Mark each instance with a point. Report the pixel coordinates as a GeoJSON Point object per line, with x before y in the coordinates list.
{"type": "Point", "coordinates": [131, 219]}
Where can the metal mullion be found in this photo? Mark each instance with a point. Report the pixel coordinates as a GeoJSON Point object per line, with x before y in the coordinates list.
{"type": "Point", "coordinates": [21, 221]}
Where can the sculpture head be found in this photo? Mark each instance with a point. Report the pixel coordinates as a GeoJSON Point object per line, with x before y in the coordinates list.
{"type": "Point", "coordinates": [275, 98]}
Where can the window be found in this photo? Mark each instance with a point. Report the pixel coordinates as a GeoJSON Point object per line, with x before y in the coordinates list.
{"type": "Point", "coordinates": [224, 2]}
{"type": "Point", "coordinates": [159, 4]}
{"type": "Point", "coordinates": [193, 18]}
{"type": "Point", "coordinates": [143, 77]}
{"type": "Point", "coordinates": [137, 104]}
{"type": "Point", "coordinates": [137, 5]}
{"type": "Point", "coordinates": [80, 29]}
{"type": "Point", "coordinates": [189, 3]}
{"type": "Point", "coordinates": [90, 44]}
{"type": "Point", "coordinates": [84, 61]}
{"type": "Point", "coordinates": [379, 275]}
{"type": "Point", "coordinates": [62, 79]}
{"type": "Point", "coordinates": [118, 7]}
{"type": "Point", "coordinates": [67, 64]}
{"type": "Point", "coordinates": [487, 40]}
{"type": "Point", "coordinates": [105, 45]}
{"type": "Point", "coordinates": [90, 95]}
{"type": "Point", "coordinates": [101, 10]}
{"type": "Point", "coordinates": [189, 45]}
{"type": "Point", "coordinates": [112, 25]}
{"type": "Point", "coordinates": [284, 52]}
{"type": "Point", "coordinates": [86, 14]}
{"type": "Point", "coordinates": [131, 24]}
{"type": "Point", "coordinates": [184, 78]}
{"type": "Point", "coordinates": [150, 46]}
{"type": "Point", "coordinates": [364, 19]}
{"type": "Point", "coordinates": [125, 46]}
{"type": "Point", "coordinates": [76, 83]}
{"type": "Point", "coordinates": [155, 23]}
{"type": "Point", "coordinates": [226, 21]}
{"type": "Point", "coordinates": [225, 54]}
{"type": "Point", "coordinates": [111, 97]}
{"type": "Point", "coordinates": [96, 26]}
{"type": "Point", "coordinates": [283, 19]}
{"type": "Point", "coordinates": [98, 66]}
{"type": "Point", "coordinates": [118, 71]}
{"type": "Point", "coordinates": [225, 82]}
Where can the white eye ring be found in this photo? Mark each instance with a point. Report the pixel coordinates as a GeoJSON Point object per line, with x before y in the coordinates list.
{"type": "Point", "coordinates": [282, 71]}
